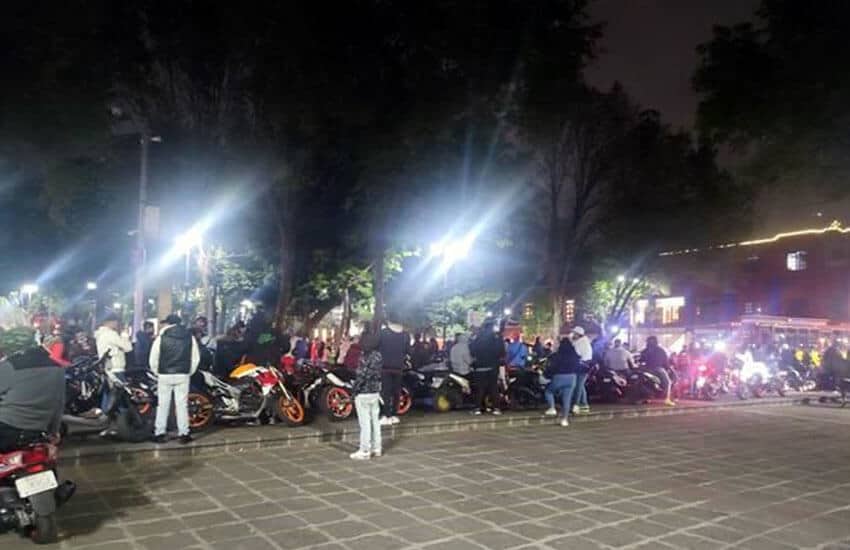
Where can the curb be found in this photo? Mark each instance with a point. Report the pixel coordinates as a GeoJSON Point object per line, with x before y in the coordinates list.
{"type": "Point", "coordinates": [349, 432]}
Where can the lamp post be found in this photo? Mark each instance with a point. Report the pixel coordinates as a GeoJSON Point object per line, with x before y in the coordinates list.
{"type": "Point", "coordinates": [185, 243]}
{"type": "Point", "coordinates": [450, 251]}
{"type": "Point", "coordinates": [28, 290]}
{"type": "Point", "coordinates": [91, 287]}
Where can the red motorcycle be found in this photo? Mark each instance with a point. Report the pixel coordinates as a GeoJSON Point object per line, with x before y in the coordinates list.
{"type": "Point", "coordinates": [30, 492]}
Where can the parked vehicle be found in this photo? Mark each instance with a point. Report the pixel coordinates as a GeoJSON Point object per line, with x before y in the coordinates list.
{"type": "Point", "coordinates": [129, 414]}
{"type": "Point", "coordinates": [526, 387]}
{"type": "Point", "coordinates": [30, 492]}
{"type": "Point", "coordinates": [707, 384]}
{"type": "Point", "coordinates": [420, 385]}
{"type": "Point", "coordinates": [326, 390]}
{"type": "Point", "coordinates": [755, 379]}
{"type": "Point", "coordinates": [797, 379]}
{"type": "Point", "coordinates": [251, 393]}
{"type": "Point", "coordinates": [605, 385]}
{"type": "Point", "coordinates": [455, 391]}
{"type": "Point", "coordinates": [644, 385]}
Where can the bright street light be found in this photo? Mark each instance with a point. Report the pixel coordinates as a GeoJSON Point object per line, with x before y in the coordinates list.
{"type": "Point", "coordinates": [116, 305]}
{"type": "Point", "coordinates": [452, 250]}
{"type": "Point", "coordinates": [247, 304]}
{"type": "Point", "coordinates": [635, 280]}
{"type": "Point", "coordinates": [507, 311]}
{"type": "Point", "coordinates": [621, 279]}
{"type": "Point", "coordinates": [185, 242]}
{"type": "Point", "coordinates": [91, 285]}
{"type": "Point", "coordinates": [29, 289]}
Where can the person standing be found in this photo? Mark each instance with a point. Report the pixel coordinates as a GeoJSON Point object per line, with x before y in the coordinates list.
{"type": "Point", "coordinates": [174, 358]}
{"type": "Point", "coordinates": [142, 349]}
{"type": "Point", "coordinates": [561, 371]}
{"type": "Point", "coordinates": [582, 346]}
{"type": "Point", "coordinates": [367, 399]}
{"type": "Point", "coordinates": [109, 340]}
{"type": "Point", "coordinates": [393, 345]}
{"type": "Point", "coordinates": [461, 358]}
{"type": "Point", "coordinates": [488, 351]}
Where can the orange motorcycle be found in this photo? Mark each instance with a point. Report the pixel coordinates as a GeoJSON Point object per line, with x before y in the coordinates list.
{"type": "Point", "coordinates": [251, 393]}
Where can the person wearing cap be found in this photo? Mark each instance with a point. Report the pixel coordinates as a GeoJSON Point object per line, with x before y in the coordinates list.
{"type": "Point", "coordinates": [584, 349]}
{"type": "Point", "coordinates": [174, 358]}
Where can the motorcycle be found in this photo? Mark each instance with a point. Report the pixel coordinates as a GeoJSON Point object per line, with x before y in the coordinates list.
{"type": "Point", "coordinates": [130, 408]}
{"type": "Point", "coordinates": [455, 391]}
{"type": "Point", "coordinates": [327, 390]}
{"type": "Point", "coordinates": [606, 385]}
{"type": "Point", "coordinates": [252, 393]}
{"type": "Point", "coordinates": [526, 387]}
{"type": "Point", "coordinates": [755, 379]}
{"type": "Point", "coordinates": [644, 385]}
{"type": "Point", "coordinates": [797, 379]}
{"type": "Point", "coordinates": [29, 491]}
{"type": "Point", "coordinates": [420, 385]}
{"type": "Point", "coordinates": [707, 385]}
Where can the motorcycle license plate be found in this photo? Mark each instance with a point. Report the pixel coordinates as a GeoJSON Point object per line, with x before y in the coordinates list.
{"type": "Point", "coordinates": [36, 483]}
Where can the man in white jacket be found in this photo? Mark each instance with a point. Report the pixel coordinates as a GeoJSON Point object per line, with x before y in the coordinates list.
{"type": "Point", "coordinates": [107, 338]}
{"type": "Point", "coordinates": [174, 358]}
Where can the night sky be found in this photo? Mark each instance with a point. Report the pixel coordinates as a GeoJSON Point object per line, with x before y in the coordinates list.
{"type": "Point", "coordinates": [649, 46]}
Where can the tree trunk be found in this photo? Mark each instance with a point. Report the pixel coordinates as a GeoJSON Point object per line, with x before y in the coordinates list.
{"type": "Point", "coordinates": [286, 242]}
{"type": "Point", "coordinates": [557, 301]}
{"type": "Point", "coordinates": [378, 285]}
{"type": "Point", "coordinates": [209, 305]}
{"type": "Point", "coordinates": [345, 322]}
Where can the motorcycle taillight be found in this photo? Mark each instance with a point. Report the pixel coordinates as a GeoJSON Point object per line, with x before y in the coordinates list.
{"type": "Point", "coordinates": [11, 462]}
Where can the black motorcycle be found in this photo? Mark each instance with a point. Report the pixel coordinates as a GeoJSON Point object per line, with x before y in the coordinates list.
{"type": "Point", "coordinates": [526, 387]}
{"type": "Point", "coordinates": [605, 385]}
{"type": "Point", "coordinates": [644, 385]}
{"type": "Point", "coordinates": [129, 411]}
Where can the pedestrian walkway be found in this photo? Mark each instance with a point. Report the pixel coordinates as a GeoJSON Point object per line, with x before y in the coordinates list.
{"type": "Point", "coordinates": [241, 437]}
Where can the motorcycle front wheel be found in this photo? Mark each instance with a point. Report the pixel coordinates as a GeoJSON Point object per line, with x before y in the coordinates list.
{"type": "Point", "coordinates": [337, 403]}
{"type": "Point", "coordinates": [201, 411]}
{"type": "Point", "coordinates": [405, 402]}
{"type": "Point", "coordinates": [291, 411]}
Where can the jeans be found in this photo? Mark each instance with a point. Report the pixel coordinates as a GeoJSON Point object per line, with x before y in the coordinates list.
{"type": "Point", "coordinates": [107, 396]}
{"type": "Point", "coordinates": [179, 385]}
{"type": "Point", "coordinates": [563, 383]}
{"type": "Point", "coordinates": [390, 392]}
{"type": "Point", "coordinates": [580, 391]}
{"type": "Point", "coordinates": [486, 383]}
{"type": "Point", "coordinates": [368, 405]}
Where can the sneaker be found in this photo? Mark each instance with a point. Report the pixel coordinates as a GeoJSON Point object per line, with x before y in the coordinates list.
{"type": "Point", "coordinates": [476, 412]}
{"type": "Point", "coordinates": [385, 421]}
{"type": "Point", "coordinates": [376, 454]}
{"type": "Point", "coordinates": [394, 420]}
{"type": "Point", "coordinates": [576, 410]}
{"type": "Point", "coordinates": [161, 438]}
{"type": "Point", "coordinates": [670, 403]}
{"type": "Point", "coordinates": [564, 422]}
{"type": "Point", "coordinates": [550, 412]}
{"type": "Point", "coordinates": [584, 410]}
{"type": "Point", "coordinates": [360, 455]}
{"type": "Point", "coordinates": [186, 439]}
{"type": "Point", "coordinates": [497, 412]}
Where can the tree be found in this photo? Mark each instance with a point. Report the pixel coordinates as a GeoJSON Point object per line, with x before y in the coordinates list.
{"type": "Point", "coordinates": [771, 90]}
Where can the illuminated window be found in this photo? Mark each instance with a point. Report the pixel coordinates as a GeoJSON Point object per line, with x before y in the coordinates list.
{"type": "Point", "coordinates": [569, 311]}
{"type": "Point", "coordinates": [796, 261]}
{"type": "Point", "coordinates": [528, 310]}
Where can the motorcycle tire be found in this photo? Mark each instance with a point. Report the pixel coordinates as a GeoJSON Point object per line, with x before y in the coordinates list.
{"type": "Point", "coordinates": [201, 411]}
{"type": "Point", "coordinates": [522, 398]}
{"type": "Point", "coordinates": [45, 530]}
{"type": "Point", "coordinates": [405, 402]}
{"type": "Point", "coordinates": [446, 399]}
{"type": "Point", "coordinates": [133, 428]}
{"type": "Point", "coordinates": [290, 411]}
{"type": "Point", "coordinates": [336, 402]}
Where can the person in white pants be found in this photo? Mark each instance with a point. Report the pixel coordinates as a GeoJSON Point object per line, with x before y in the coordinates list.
{"type": "Point", "coordinates": [174, 358]}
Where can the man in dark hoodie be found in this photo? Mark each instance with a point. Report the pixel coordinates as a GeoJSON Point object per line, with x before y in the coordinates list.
{"type": "Point", "coordinates": [488, 351]}
{"type": "Point", "coordinates": [394, 345]}
{"type": "Point", "coordinates": [174, 358]}
{"type": "Point", "coordinates": [32, 389]}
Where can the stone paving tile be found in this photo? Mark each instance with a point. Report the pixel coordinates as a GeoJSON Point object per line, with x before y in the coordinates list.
{"type": "Point", "coordinates": [713, 481]}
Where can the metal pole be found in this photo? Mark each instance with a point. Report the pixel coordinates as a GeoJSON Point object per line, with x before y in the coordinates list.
{"type": "Point", "coordinates": [445, 304]}
{"type": "Point", "coordinates": [139, 287]}
{"type": "Point", "coordinates": [186, 283]}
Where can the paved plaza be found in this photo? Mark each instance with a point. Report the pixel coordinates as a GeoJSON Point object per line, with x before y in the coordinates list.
{"type": "Point", "coordinates": [753, 478]}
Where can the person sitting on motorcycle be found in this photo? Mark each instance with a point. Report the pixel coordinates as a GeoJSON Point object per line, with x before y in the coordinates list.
{"type": "Point", "coordinates": [654, 359]}
{"type": "Point", "coordinates": [618, 358]}
{"type": "Point", "coordinates": [517, 353]}
{"type": "Point", "coordinates": [32, 390]}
